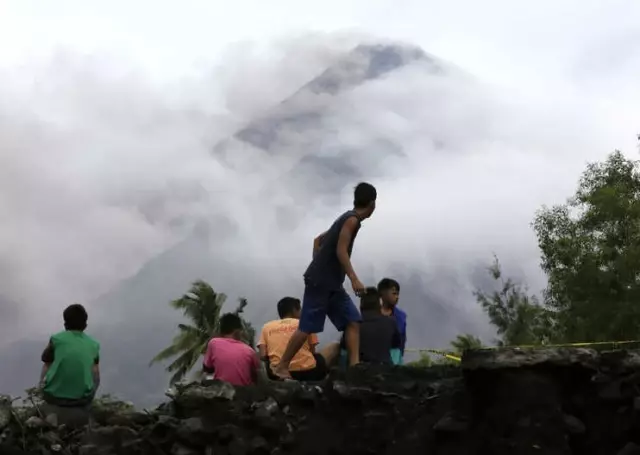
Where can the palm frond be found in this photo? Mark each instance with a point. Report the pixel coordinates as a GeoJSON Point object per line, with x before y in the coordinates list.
{"type": "Point", "coordinates": [190, 331]}
{"type": "Point", "coordinates": [242, 303]}
{"type": "Point", "coordinates": [185, 340]}
{"type": "Point", "coordinates": [202, 306]}
{"type": "Point", "coordinates": [185, 363]}
{"type": "Point", "coordinates": [165, 354]}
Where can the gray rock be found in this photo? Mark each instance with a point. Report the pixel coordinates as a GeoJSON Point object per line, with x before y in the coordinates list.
{"type": "Point", "coordinates": [631, 360]}
{"type": "Point", "coordinates": [51, 437]}
{"type": "Point", "coordinates": [190, 427]}
{"type": "Point", "coordinates": [196, 395]}
{"type": "Point", "coordinates": [573, 424]}
{"type": "Point", "coordinates": [492, 359]}
{"type": "Point", "coordinates": [451, 423]}
{"type": "Point", "coordinates": [267, 408]}
{"type": "Point", "coordinates": [309, 393]}
{"type": "Point", "coordinates": [238, 447]}
{"type": "Point", "coordinates": [35, 422]}
{"type": "Point", "coordinates": [52, 419]}
{"type": "Point", "coordinates": [630, 449]}
{"type": "Point", "coordinates": [72, 417]}
{"type": "Point", "coordinates": [349, 392]}
{"type": "Point", "coordinates": [179, 449]}
{"type": "Point", "coordinates": [127, 419]}
{"type": "Point", "coordinates": [611, 391]}
{"type": "Point", "coordinates": [168, 421]}
{"type": "Point", "coordinates": [89, 449]}
{"type": "Point", "coordinates": [109, 436]}
{"type": "Point", "coordinates": [258, 445]}
{"type": "Point", "coordinates": [226, 433]}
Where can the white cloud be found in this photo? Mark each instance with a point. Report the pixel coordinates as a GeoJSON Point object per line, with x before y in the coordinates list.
{"type": "Point", "coordinates": [108, 116]}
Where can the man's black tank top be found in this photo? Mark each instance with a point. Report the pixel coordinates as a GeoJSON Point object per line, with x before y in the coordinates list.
{"type": "Point", "coordinates": [325, 269]}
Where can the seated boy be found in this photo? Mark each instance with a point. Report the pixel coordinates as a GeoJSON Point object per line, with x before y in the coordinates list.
{"type": "Point", "coordinates": [389, 290]}
{"type": "Point", "coordinates": [71, 375]}
{"type": "Point", "coordinates": [306, 365]}
{"type": "Point", "coordinates": [228, 358]}
{"type": "Point", "coordinates": [378, 333]}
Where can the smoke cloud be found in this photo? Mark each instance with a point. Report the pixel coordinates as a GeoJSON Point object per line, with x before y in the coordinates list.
{"type": "Point", "coordinates": [103, 167]}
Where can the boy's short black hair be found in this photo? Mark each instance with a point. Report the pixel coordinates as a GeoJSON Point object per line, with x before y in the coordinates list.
{"type": "Point", "coordinates": [287, 306]}
{"type": "Point", "coordinates": [363, 195]}
{"type": "Point", "coordinates": [370, 300]}
{"type": "Point", "coordinates": [75, 317]}
{"type": "Point", "coordinates": [229, 323]}
{"type": "Point", "coordinates": [387, 284]}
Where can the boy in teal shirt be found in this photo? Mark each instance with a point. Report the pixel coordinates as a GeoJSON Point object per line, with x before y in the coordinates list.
{"type": "Point", "coordinates": [71, 374]}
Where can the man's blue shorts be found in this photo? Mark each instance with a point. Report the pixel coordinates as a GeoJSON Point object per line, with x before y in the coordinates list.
{"type": "Point", "coordinates": [319, 302]}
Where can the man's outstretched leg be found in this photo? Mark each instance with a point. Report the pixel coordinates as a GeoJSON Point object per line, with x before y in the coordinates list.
{"type": "Point", "coordinates": [312, 316]}
{"type": "Point", "coordinates": [345, 317]}
{"type": "Point", "coordinates": [352, 340]}
{"type": "Point", "coordinates": [295, 344]}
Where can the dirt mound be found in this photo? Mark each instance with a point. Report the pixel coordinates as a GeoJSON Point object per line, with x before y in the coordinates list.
{"type": "Point", "coordinates": [551, 401]}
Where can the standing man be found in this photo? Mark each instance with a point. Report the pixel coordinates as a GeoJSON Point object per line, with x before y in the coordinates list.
{"type": "Point", "coordinates": [324, 293]}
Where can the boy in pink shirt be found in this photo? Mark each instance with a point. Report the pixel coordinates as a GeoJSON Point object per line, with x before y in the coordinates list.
{"type": "Point", "coordinates": [228, 358]}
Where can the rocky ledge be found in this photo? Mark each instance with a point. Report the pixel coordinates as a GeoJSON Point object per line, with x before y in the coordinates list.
{"type": "Point", "coordinates": [508, 401]}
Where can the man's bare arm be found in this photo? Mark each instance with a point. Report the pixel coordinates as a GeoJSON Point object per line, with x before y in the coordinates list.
{"type": "Point", "coordinates": [317, 242]}
{"type": "Point", "coordinates": [43, 373]}
{"type": "Point", "coordinates": [47, 358]}
{"type": "Point", "coordinates": [346, 234]}
{"type": "Point", "coordinates": [95, 371]}
{"type": "Point", "coordinates": [262, 349]}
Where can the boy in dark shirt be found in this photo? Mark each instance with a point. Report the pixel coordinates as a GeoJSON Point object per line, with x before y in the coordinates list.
{"type": "Point", "coordinates": [378, 333]}
{"type": "Point", "coordinates": [389, 290]}
{"type": "Point", "coordinates": [324, 293]}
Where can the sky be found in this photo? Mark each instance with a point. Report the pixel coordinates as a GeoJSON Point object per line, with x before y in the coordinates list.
{"type": "Point", "coordinates": [107, 108]}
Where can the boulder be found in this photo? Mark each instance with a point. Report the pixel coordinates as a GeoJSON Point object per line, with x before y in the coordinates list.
{"type": "Point", "coordinates": [505, 401]}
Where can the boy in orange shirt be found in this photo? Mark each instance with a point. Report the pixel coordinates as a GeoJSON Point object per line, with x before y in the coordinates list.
{"type": "Point", "coordinates": [307, 364]}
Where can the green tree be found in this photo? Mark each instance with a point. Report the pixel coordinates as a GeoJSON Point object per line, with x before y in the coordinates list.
{"type": "Point", "coordinates": [591, 254]}
{"type": "Point", "coordinates": [203, 307]}
{"type": "Point", "coordinates": [519, 318]}
{"type": "Point", "coordinates": [424, 361]}
{"type": "Point", "coordinates": [465, 342]}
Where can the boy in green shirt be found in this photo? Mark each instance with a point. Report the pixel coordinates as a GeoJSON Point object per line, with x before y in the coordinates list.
{"type": "Point", "coordinates": [71, 374]}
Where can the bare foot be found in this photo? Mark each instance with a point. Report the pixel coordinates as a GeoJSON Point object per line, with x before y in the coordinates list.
{"type": "Point", "coordinates": [281, 372]}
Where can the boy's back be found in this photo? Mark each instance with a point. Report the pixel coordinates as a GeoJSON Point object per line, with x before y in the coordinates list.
{"type": "Point", "coordinates": [378, 335]}
{"type": "Point", "coordinates": [274, 337]}
{"type": "Point", "coordinates": [70, 374]}
{"type": "Point", "coordinates": [325, 268]}
{"type": "Point", "coordinates": [232, 360]}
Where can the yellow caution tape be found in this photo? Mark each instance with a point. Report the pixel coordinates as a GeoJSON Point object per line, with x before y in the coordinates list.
{"type": "Point", "coordinates": [565, 345]}
{"type": "Point", "coordinates": [446, 354]}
